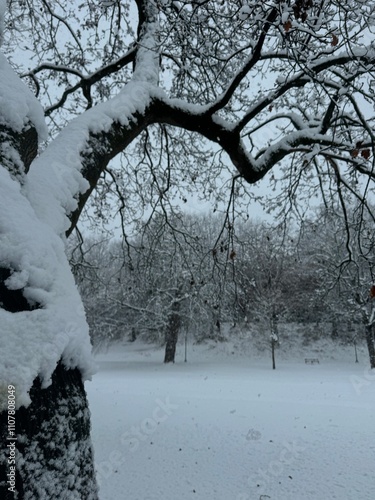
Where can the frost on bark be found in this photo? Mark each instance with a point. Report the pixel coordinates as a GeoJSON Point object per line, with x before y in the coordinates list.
{"type": "Point", "coordinates": [54, 455]}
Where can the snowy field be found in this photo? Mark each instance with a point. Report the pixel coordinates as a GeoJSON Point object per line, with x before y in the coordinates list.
{"type": "Point", "coordinates": [226, 427]}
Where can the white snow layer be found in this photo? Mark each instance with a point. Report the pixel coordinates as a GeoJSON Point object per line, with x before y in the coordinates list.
{"type": "Point", "coordinates": [225, 426]}
{"type": "Point", "coordinates": [32, 342]}
{"type": "Point", "coordinates": [18, 105]}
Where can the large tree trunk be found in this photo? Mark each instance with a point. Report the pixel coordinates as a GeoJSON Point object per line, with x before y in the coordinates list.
{"type": "Point", "coordinates": [274, 337]}
{"type": "Point", "coordinates": [370, 339]}
{"type": "Point", "coordinates": [54, 457]}
{"type": "Point", "coordinates": [273, 342]}
{"type": "Point", "coordinates": [171, 335]}
{"type": "Point", "coordinates": [50, 454]}
{"type": "Point", "coordinates": [46, 449]}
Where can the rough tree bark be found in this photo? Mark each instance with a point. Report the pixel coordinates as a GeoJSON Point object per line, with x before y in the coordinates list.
{"type": "Point", "coordinates": [172, 331]}
{"type": "Point", "coordinates": [370, 340]}
{"type": "Point", "coordinates": [368, 314]}
{"type": "Point", "coordinates": [274, 337]}
{"type": "Point", "coordinates": [54, 457]}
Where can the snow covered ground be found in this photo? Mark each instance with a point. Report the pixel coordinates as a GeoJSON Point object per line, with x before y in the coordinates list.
{"type": "Point", "coordinates": [224, 426]}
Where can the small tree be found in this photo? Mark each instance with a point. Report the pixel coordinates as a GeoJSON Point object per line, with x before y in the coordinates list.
{"type": "Point", "coordinates": [172, 329]}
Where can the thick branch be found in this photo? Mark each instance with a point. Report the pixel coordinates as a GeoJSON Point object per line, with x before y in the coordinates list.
{"type": "Point", "coordinates": [100, 150]}
{"type": "Point", "coordinates": [86, 82]}
{"type": "Point", "coordinates": [300, 80]}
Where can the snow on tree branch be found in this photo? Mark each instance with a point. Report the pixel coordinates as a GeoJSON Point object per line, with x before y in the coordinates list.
{"type": "Point", "coordinates": [50, 325]}
{"type": "Point", "coordinates": [58, 176]}
{"type": "Point", "coordinates": [80, 153]}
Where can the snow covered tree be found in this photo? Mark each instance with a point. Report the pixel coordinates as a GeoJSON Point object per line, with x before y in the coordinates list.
{"type": "Point", "coordinates": [347, 270]}
{"type": "Point", "coordinates": [182, 89]}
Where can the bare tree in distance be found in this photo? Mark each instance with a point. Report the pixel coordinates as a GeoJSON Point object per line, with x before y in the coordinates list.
{"type": "Point", "coordinates": [347, 269]}
{"type": "Point", "coordinates": [179, 89]}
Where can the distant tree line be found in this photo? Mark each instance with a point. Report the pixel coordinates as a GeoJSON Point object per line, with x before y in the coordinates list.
{"type": "Point", "coordinates": [194, 273]}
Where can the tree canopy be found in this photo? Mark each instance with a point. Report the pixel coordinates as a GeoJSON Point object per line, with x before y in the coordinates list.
{"type": "Point", "coordinates": [247, 84]}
